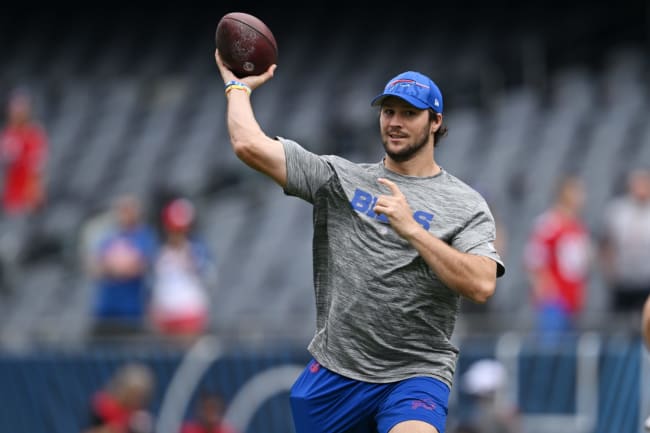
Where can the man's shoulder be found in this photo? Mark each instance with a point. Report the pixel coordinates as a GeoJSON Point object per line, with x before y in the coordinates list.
{"type": "Point", "coordinates": [453, 180]}
{"type": "Point", "coordinates": [341, 163]}
{"type": "Point", "coordinates": [333, 159]}
{"type": "Point", "coordinates": [459, 186]}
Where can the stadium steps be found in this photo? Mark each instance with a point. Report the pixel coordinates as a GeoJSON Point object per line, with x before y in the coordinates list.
{"type": "Point", "coordinates": [560, 136]}
{"type": "Point", "coordinates": [505, 141]}
{"type": "Point", "coordinates": [599, 162]}
{"type": "Point", "coordinates": [200, 142]}
{"type": "Point", "coordinates": [65, 134]}
{"type": "Point", "coordinates": [38, 288]}
{"type": "Point", "coordinates": [144, 148]}
{"type": "Point", "coordinates": [94, 165]}
{"type": "Point", "coordinates": [465, 130]}
{"type": "Point", "coordinates": [270, 226]}
{"type": "Point", "coordinates": [223, 221]}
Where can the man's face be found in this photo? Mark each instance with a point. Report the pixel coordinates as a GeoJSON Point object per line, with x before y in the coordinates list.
{"type": "Point", "coordinates": [405, 130]}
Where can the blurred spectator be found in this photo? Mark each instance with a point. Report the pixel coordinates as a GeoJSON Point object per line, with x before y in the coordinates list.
{"type": "Point", "coordinates": [625, 246]}
{"type": "Point", "coordinates": [121, 266]}
{"type": "Point", "coordinates": [122, 407]}
{"type": "Point", "coordinates": [23, 153]}
{"type": "Point", "coordinates": [557, 257]}
{"type": "Point", "coordinates": [183, 271]}
{"type": "Point", "coordinates": [209, 416]}
{"type": "Point", "coordinates": [485, 381]}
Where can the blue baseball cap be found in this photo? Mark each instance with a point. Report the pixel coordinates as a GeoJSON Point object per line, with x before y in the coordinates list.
{"type": "Point", "coordinates": [415, 88]}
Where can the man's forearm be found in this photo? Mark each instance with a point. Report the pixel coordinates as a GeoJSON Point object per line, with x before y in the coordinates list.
{"type": "Point", "coordinates": [470, 275]}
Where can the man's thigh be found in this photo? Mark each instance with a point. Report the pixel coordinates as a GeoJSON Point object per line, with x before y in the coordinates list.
{"type": "Point", "coordinates": [414, 427]}
{"type": "Point", "coordinates": [325, 402]}
{"type": "Point", "coordinates": [417, 405]}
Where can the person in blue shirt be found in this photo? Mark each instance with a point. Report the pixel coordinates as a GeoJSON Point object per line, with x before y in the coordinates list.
{"type": "Point", "coordinates": [121, 267]}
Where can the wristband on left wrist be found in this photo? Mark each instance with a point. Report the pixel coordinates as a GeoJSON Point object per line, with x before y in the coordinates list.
{"type": "Point", "coordinates": [237, 85]}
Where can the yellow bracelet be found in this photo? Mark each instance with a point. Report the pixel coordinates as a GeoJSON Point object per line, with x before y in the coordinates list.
{"type": "Point", "coordinates": [237, 85]}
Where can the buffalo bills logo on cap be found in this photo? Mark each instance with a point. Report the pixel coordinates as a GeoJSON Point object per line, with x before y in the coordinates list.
{"type": "Point", "coordinates": [405, 82]}
{"type": "Point", "coordinates": [415, 88]}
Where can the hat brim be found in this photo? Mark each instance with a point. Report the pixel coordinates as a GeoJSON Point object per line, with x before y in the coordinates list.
{"type": "Point", "coordinates": [417, 103]}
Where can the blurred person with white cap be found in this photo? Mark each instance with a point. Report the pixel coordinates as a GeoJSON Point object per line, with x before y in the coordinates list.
{"type": "Point", "coordinates": [485, 380]}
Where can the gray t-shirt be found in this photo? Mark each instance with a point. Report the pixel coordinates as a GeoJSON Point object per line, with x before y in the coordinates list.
{"type": "Point", "coordinates": [382, 314]}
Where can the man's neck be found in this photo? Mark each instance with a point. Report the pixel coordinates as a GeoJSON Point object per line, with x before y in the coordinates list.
{"type": "Point", "coordinates": [417, 167]}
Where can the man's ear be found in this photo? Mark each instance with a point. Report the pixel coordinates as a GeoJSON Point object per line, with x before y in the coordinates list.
{"type": "Point", "coordinates": [436, 122]}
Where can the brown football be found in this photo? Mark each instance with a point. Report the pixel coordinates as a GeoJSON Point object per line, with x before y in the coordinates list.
{"type": "Point", "coordinates": [246, 44]}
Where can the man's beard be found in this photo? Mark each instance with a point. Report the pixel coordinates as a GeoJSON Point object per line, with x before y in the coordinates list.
{"type": "Point", "coordinates": [409, 151]}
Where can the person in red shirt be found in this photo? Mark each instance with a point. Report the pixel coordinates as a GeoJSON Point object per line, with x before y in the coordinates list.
{"type": "Point", "coordinates": [557, 258]}
{"type": "Point", "coordinates": [23, 150]}
{"type": "Point", "coordinates": [209, 416]}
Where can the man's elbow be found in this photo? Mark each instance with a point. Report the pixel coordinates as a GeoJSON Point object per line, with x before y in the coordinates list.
{"type": "Point", "coordinates": [483, 290]}
{"type": "Point", "coordinates": [243, 149]}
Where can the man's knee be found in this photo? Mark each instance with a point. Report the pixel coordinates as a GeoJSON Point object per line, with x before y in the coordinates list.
{"type": "Point", "coordinates": [413, 427]}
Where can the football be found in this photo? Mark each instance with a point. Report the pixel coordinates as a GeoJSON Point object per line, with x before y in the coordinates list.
{"type": "Point", "coordinates": [246, 44]}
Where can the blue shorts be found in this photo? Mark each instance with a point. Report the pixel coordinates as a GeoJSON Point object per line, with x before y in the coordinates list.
{"type": "Point", "coordinates": [325, 402]}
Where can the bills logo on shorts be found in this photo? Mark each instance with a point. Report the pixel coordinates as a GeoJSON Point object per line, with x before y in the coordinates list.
{"type": "Point", "coordinates": [427, 404]}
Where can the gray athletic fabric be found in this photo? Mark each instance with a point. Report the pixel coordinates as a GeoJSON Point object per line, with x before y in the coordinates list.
{"type": "Point", "coordinates": [382, 314]}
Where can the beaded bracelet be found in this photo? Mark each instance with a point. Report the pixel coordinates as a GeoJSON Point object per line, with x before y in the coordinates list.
{"type": "Point", "coordinates": [234, 84]}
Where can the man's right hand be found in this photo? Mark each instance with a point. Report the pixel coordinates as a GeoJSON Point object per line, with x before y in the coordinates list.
{"type": "Point", "coordinates": [252, 81]}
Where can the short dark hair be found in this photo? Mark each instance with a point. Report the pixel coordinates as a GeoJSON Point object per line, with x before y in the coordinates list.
{"type": "Point", "coordinates": [441, 132]}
